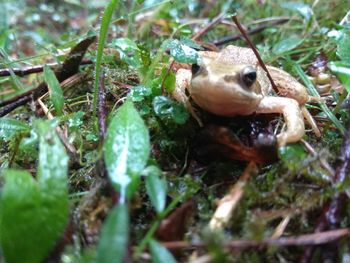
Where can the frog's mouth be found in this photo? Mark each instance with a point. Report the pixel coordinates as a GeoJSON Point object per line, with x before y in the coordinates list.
{"type": "Point", "coordinates": [226, 100]}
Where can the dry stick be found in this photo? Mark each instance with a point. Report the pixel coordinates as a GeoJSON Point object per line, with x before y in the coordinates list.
{"type": "Point", "coordinates": [69, 68]}
{"type": "Point", "coordinates": [205, 30]}
{"type": "Point", "coordinates": [69, 147]}
{"type": "Point", "coordinates": [313, 239]}
{"type": "Point", "coordinates": [333, 211]}
{"type": "Point", "coordinates": [21, 72]}
{"type": "Point", "coordinates": [250, 43]}
{"type": "Point", "coordinates": [101, 106]}
{"type": "Point", "coordinates": [229, 202]}
{"type": "Point", "coordinates": [258, 29]}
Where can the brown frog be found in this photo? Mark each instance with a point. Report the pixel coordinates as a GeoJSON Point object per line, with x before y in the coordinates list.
{"type": "Point", "coordinates": [231, 83]}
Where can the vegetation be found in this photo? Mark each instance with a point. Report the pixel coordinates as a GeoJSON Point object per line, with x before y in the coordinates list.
{"type": "Point", "coordinates": [99, 163]}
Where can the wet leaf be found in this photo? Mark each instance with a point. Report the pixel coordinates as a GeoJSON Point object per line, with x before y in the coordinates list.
{"type": "Point", "coordinates": [343, 49]}
{"type": "Point", "coordinates": [9, 127]}
{"type": "Point", "coordinates": [286, 44]}
{"type": "Point", "coordinates": [34, 212]}
{"type": "Point", "coordinates": [138, 93]}
{"type": "Point", "coordinates": [342, 70]}
{"type": "Point", "coordinates": [129, 51]}
{"type": "Point", "coordinates": [181, 52]}
{"type": "Point", "coordinates": [56, 94]}
{"type": "Point", "coordinates": [114, 236]}
{"type": "Point", "coordinates": [303, 9]}
{"type": "Point", "coordinates": [190, 43]}
{"type": "Point", "coordinates": [126, 149]}
{"type": "Point", "coordinates": [169, 109]}
{"type": "Point", "coordinates": [160, 254]}
{"type": "Point", "coordinates": [156, 187]}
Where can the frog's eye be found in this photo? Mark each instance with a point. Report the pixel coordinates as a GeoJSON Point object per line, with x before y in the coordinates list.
{"type": "Point", "coordinates": [248, 76]}
{"type": "Point", "coordinates": [195, 68]}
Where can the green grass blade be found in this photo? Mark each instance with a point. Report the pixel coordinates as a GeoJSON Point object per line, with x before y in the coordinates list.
{"type": "Point", "coordinates": [106, 19]}
{"type": "Point", "coordinates": [312, 90]}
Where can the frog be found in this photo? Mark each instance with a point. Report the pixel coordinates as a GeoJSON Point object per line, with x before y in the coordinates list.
{"type": "Point", "coordinates": [231, 83]}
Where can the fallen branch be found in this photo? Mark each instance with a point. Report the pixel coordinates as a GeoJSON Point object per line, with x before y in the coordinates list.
{"type": "Point", "coordinates": [69, 68]}
{"type": "Point", "coordinates": [314, 239]}
{"type": "Point", "coordinates": [21, 72]}
{"type": "Point", "coordinates": [252, 31]}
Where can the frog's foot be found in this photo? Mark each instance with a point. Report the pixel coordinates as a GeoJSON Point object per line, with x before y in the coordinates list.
{"type": "Point", "coordinates": [292, 115]}
{"type": "Point", "coordinates": [183, 81]}
{"type": "Point", "coordinates": [289, 87]}
{"type": "Point", "coordinates": [310, 120]}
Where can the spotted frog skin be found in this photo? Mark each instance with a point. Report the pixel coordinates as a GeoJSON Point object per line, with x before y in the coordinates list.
{"type": "Point", "coordinates": [231, 83]}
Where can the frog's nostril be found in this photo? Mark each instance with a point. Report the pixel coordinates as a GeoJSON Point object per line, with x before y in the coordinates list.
{"type": "Point", "coordinates": [248, 75]}
{"type": "Point", "coordinates": [195, 68]}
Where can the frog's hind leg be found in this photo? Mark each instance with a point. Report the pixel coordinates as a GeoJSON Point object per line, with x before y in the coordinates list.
{"type": "Point", "coordinates": [292, 115]}
{"type": "Point", "coordinates": [183, 80]}
{"type": "Point", "coordinates": [289, 87]}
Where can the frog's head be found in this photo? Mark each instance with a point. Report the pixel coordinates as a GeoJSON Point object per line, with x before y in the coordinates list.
{"type": "Point", "coordinates": [224, 88]}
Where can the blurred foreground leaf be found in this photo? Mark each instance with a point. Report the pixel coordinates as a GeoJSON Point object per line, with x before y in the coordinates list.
{"type": "Point", "coordinates": [34, 212]}
{"type": "Point", "coordinates": [114, 236]}
{"type": "Point", "coordinates": [160, 254]}
{"type": "Point", "coordinates": [9, 127]}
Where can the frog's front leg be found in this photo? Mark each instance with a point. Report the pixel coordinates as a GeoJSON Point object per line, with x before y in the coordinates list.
{"type": "Point", "coordinates": [292, 115]}
{"type": "Point", "coordinates": [183, 82]}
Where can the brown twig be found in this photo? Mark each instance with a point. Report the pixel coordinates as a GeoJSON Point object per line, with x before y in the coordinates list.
{"type": "Point", "coordinates": [313, 239]}
{"type": "Point", "coordinates": [333, 211]}
{"type": "Point", "coordinates": [229, 202]}
{"type": "Point", "coordinates": [204, 30]}
{"type": "Point", "coordinates": [251, 45]}
{"type": "Point", "coordinates": [70, 67]}
{"type": "Point", "coordinates": [21, 72]}
{"type": "Point", "coordinates": [255, 30]}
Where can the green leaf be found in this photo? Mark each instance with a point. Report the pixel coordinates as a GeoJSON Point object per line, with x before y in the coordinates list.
{"type": "Point", "coordinates": [128, 50]}
{"type": "Point", "coordinates": [56, 94]}
{"type": "Point", "coordinates": [138, 93]}
{"type": "Point", "coordinates": [343, 49]}
{"type": "Point", "coordinates": [181, 52]}
{"type": "Point", "coordinates": [286, 44]}
{"type": "Point", "coordinates": [9, 127]}
{"type": "Point", "coordinates": [342, 70]}
{"type": "Point", "coordinates": [160, 254]}
{"type": "Point", "coordinates": [166, 108]}
{"type": "Point", "coordinates": [106, 19]}
{"type": "Point", "coordinates": [303, 9]}
{"type": "Point", "coordinates": [292, 155]}
{"type": "Point", "coordinates": [114, 236]}
{"type": "Point", "coordinates": [34, 212]}
{"type": "Point", "coordinates": [156, 188]}
{"type": "Point", "coordinates": [126, 149]}
{"type": "Point", "coordinates": [169, 82]}
{"type": "Point", "coordinates": [190, 43]}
